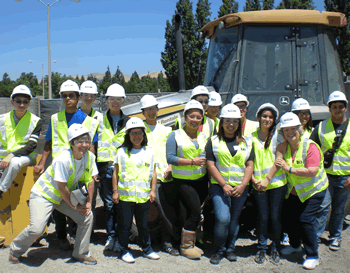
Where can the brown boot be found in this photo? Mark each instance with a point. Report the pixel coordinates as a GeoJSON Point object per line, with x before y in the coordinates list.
{"type": "Point", "coordinates": [187, 249]}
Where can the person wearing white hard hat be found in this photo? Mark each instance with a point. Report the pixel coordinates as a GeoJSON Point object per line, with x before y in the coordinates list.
{"type": "Point", "coordinates": [110, 137]}
{"type": "Point", "coordinates": [302, 109]}
{"type": "Point", "coordinates": [185, 152]}
{"type": "Point", "coordinates": [248, 126]}
{"type": "Point", "coordinates": [268, 191]}
{"type": "Point", "coordinates": [333, 135]}
{"type": "Point", "coordinates": [19, 133]}
{"type": "Point", "coordinates": [307, 185]}
{"type": "Point", "coordinates": [134, 187]}
{"type": "Point", "coordinates": [214, 106]}
{"type": "Point", "coordinates": [72, 169]}
{"type": "Point", "coordinates": [157, 135]}
{"type": "Point", "coordinates": [230, 165]}
{"type": "Point", "coordinates": [201, 94]}
{"type": "Point", "coordinates": [56, 142]}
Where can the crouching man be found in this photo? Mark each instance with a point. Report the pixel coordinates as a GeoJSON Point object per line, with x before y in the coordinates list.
{"type": "Point", "coordinates": [19, 133]}
{"type": "Point", "coordinates": [57, 188]}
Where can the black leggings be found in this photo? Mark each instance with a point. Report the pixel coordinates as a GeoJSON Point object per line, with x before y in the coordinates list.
{"type": "Point", "coordinates": [191, 193]}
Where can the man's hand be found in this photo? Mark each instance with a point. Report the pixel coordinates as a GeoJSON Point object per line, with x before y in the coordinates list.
{"type": "Point", "coordinates": [347, 183]}
{"type": "Point", "coordinates": [115, 197]}
{"type": "Point", "coordinates": [6, 161]}
{"type": "Point", "coordinates": [39, 169]}
{"type": "Point", "coordinates": [152, 196]}
{"type": "Point", "coordinates": [168, 173]}
{"type": "Point", "coordinates": [84, 210]}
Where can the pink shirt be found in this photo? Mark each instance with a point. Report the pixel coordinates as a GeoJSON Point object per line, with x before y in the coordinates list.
{"type": "Point", "coordinates": [313, 157]}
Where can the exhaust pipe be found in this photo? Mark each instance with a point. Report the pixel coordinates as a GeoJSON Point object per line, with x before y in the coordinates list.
{"type": "Point", "coordinates": [180, 57]}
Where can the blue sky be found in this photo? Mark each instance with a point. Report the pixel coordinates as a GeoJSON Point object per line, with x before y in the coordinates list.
{"type": "Point", "coordinates": [88, 36]}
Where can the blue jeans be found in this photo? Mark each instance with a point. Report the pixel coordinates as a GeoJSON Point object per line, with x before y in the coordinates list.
{"type": "Point", "coordinates": [339, 197]}
{"type": "Point", "coordinates": [301, 222]}
{"type": "Point", "coordinates": [126, 210]}
{"type": "Point", "coordinates": [269, 207]}
{"type": "Point", "coordinates": [106, 193]}
{"type": "Point", "coordinates": [322, 214]}
{"type": "Point", "coordinates": [227, 212]}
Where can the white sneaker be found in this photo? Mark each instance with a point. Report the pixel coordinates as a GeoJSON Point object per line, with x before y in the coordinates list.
{"type": "Point", "coordinates": [109, 243]}
{"type": "Point", "coordinates": [128, 258]}
{"type": "Point", "coordinates": [289, 250]}
{"type": "Point", "coordinates": [152, 256]}
{"type": "Point", "coordinates": [310, 263]}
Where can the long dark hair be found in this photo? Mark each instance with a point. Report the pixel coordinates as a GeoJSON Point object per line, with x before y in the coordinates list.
{"type": "Point", "coordinates": [272, 128]}
{"type": "Point", "coordinates": [310, 122]}
{"type": "Point", "coordinates": [128, 144]}
{"type": "Point", "coordinates": [237, 134]}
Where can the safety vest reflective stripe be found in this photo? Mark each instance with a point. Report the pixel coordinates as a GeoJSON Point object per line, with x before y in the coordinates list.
{"type": "Point", "coordinates": [231, 168]}
{"type": "Point", "coordinates": [48, 191]}
{"type": "Point", "coordinates": [138, 194]}
{"type": "Point", "coordinates": [341, 162]}
{"type": "Point", "coordinates": [250, 127]}
{"type": "Point", "coordinates": [305, 186]}
{"type": "Point", "coordinates": [186, 149]}
{"type": "Point", "coordinates": [105, 136]}
{"type": "Point", "coordinates": [12, 138]}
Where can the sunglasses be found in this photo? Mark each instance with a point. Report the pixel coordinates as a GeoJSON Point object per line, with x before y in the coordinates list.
{"type": "Point", "coordinates": [71, 96]}
{"type": "Point", "coordinates": [25, 102]}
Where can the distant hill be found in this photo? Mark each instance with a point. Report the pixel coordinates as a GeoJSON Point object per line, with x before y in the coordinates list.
{"type": "Point", "coordinates": [99, 76]}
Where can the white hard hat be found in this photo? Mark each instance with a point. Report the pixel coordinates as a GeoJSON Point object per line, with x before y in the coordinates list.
{"type": "Point", "coordinates": [88, 87]}
{"type": "Point", "coordinates": [76, 130]}
{"type": "Point", "coordinates": [337, 96]}
{"type": "Point", "coordinates": [134, 122]}
{"type": "Point", "coordinates": [230, 111]}
{"type": "Point", "coordinates": [214, 99]}
{"type": "Point", "coordinates": [21, 89]}
{"type": "Point", "coordinates": [193, 104]}
{"type": "Point", "coordinates": [289, 119]}
{"type": "Point", "coordinates": [115, 90]}
{"type": "Point", "coordinates": [269, 106]}
{"type": "Point", "coordinates": [69, 86]}
{"type": "Point", "coordinates": [238, 98]}
{"type": "Point", "coordinates": [148, 101]}
{"type": "Point", "coordinates": [199, 90]}
{"type": "Point", "coordinates": [300, 104]}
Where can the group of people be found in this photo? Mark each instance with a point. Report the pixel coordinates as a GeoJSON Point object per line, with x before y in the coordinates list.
{"type": "Point", "coordinates": [295, 172]}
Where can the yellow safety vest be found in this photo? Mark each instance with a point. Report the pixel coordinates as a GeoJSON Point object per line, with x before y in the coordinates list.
{"type": "Point", "coordinates": [250, 127]}
{"type": "Point", "coordinates": [159, 146]}
{"type": "Point", "coordinates": [263, 161]}
{"type": "Point", "coordinates": [305, 186]}
{"type": "Point", "coordinates": [230, 167]}
{"type": "Point", "coordinates": [208, 126]}
{"type": "Point", "coordinates": [134, 184]}
{"type": "Point", "coordinates": [108, 142]}
{"type": "Point", "coordinates": [59, 128]}
{"type": "Point", "coordinates": [14, 137]}
{"type": "Point", "coordinates": [341, 159]}
{"type": "Point", "coordinates": [186, 149]}
{"type": "Point", "coordinates": [48, 187]}
{"type": "Point", "coordinates": [306, 134]}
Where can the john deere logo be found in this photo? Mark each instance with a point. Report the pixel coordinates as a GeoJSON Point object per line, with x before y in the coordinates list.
{"type": "Point", "coordinates": [284, 100]}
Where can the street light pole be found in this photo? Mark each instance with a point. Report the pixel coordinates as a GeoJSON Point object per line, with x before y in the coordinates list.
{"type": "Point", "coordinates": [48, 40]}
{"type": "Point", "coordinates": [43, 81]}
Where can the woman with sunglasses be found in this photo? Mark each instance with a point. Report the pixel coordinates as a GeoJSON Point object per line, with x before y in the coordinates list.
{"type": "Point", "coordinates": [269, 192]}
{"type": "Point", "coordinates": [301, 108]}
{"type": "Point", "coordinates": [201, 94]}
{"type": "Point", "coordinates": [230, 164]}
{"type": "Point", "coordinates": [134, 187]}
{"type": "Point", "coordinates": [185, 152]}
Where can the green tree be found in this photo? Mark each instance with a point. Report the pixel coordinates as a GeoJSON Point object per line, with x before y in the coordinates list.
{"type": "Point", "coordinates": [82, 79]}
{"type": "Point", "coordinates": [92, 78]}
{"type": "Point", "coordinates": [251, 5]}
{"type": "Point", "coordinates": [119, 77]}
{"type": "Point", "coordinates": [30, 80]}
{"type": "Point", "coordinates": [202, 17]}
{"type": "Point", "coordinates": [342, 34]}
{"type": "Point", "coordinates": [296, 4]}
{"type": "Point", "coordinates": [268, 4]}
{"type": "Point", "coordinates": [6, 86]}
{"type": "Point", "coordinates": [163, 84]}
{"type": "Point", "coordinates": [228, 7]}
{"type": "Point", "coordinates": [106, 82]}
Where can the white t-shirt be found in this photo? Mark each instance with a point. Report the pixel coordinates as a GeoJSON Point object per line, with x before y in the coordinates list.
{"type": "Point", "coordinates": [60, 167]}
